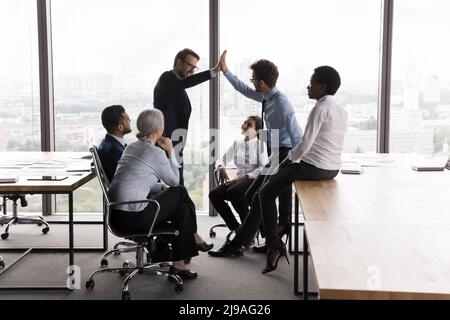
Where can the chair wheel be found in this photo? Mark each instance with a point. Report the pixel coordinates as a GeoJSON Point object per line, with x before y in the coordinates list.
{"type": "Point", "coordinates": [104, 263]}
{"type": "Point", "coordinates": [39, 224]}
{"type": "Point", "coordinates": [126, 295]}
{"type": "Point", "coordinates": [5, 236]}
{"type": "Point", "coordinates": [90, 284]}
{"type": "Point", "coordinates": [45, 230]}
{"type": "Point", "coordinates": [178, 287]}
{"type": "Point", "coordinates": [2, 264]}
{"type": "Point", "coordinates": [212, 234]}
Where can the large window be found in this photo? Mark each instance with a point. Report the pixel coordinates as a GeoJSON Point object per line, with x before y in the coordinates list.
{"type": "Point", "coordinates": [420, 97]}
{"type": "Point", "coordinates": [299, 35]}
{"type": "Point", "coordinates": [112, 52]}
{"type": "Point", "coordinates": [19, 82]}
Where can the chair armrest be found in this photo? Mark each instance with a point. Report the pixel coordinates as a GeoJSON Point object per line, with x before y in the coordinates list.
{"type": "Point", "coordinates": [150, 231]}
{"type": "Point", "coordinates": [111, 204]}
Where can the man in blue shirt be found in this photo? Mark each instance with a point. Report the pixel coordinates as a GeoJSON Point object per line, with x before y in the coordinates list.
{"type": "Point", "coordinates": [279, 117]}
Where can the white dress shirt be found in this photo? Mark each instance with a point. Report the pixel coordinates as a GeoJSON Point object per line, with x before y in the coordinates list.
{"type": "Point", "coordinates": [247, 163]}
{"type": "Point", "coordinates": [121, 140]}
{"type": "Point", "coordinates": [323, 139]}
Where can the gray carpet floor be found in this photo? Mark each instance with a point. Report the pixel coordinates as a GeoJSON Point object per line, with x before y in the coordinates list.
{"type": "Point", "coordinates": [219, 278]}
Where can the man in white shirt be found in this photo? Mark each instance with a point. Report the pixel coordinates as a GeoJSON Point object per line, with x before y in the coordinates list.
{"type": "Point", "coordinates": [316, 157]}
{"type": "Point", "coordinates": [249, 155]}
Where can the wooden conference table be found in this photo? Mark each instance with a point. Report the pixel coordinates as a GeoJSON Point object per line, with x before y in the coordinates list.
{"type": "Point", "coordinates": [26, 165]}
{"type": "Point", "coordinates": [382, 234]}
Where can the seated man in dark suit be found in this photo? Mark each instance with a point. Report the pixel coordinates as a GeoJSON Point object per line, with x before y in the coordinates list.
{"type": "Point", "coordinates": [117, 124]}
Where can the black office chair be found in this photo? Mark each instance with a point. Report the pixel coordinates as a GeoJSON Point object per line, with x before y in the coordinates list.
{"type": "Point", "coordinates": [9, 220]}
{"type": "Point", "coordinates": [144, 243]}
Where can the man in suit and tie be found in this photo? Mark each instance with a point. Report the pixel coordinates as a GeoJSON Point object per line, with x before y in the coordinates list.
{"type": "Point", "coordinates": [117, 124]}
{"type": "Point", "coordinates": [171, 98]}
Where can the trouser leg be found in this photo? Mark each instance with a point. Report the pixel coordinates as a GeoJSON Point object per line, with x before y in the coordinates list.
{"type": "Point", "coordinates": [235, 194]}
{"type": "Point", "coordinates": [218, 197]}
{"type": "Point", "coordinates": [182, 218]}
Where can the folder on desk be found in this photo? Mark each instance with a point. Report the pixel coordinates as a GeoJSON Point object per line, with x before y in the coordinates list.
{"type": "Point", "coordinates": [428, 167]}
{"type": "Point", "coordinates": [352, 169]}
{"type": "Point", "coordinates": [8, 179]}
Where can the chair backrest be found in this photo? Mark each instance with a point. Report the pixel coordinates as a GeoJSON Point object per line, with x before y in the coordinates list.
{"type": "Point", "coordinates": [100, 172]}
{"type": "Point", "coordinates": [105, 185]}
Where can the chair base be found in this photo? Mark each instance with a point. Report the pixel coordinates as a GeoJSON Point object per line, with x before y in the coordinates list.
{"type": "Point", "coordinates": [134, 269]}
{"type": "Point", "coordinates": [11, 220]}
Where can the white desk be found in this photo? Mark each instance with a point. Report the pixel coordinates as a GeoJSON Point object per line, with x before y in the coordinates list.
{"type": "Point", "coordinates": [27, 164]}
{"type": "Point", "coordinates": [383, 234]}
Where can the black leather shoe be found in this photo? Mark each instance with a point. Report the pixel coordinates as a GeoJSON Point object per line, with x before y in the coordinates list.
{"type": "Point", "coordinates": [261, 249]}
{"type": "Point", "coordinates": [228, 249]}
{"type": "Point", "coordinates": [204, 246]}
{"type": "Point", "coordinates": [184, 274]}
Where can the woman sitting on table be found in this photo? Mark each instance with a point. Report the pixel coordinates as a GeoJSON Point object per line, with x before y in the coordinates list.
{"type": "Point", "coordinates": [142, 166]}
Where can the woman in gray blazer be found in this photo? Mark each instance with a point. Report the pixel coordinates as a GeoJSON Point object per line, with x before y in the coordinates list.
{"type": "Point", "coordinates": [138, 176]}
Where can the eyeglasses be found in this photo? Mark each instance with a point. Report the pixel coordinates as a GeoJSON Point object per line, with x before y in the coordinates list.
{"type": "Point", "coordinates": [191, 65]}
{"type": "Point", "coordinates": [253, 80]}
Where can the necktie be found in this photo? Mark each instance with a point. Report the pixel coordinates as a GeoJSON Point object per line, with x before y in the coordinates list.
{"type": "Point", "coordinates": [262, 112]}
{"type": "Point", "coordinates": [269, 151]}
{"type": "Point", "coordinates": [247, 153]}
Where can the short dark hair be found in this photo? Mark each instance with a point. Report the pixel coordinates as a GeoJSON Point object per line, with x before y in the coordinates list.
{"type": "Point", "coordinates": [329, 76]}
{"type": "Point", "coordinates": [111, 117]}
{"type": "Point", "coordinates": [183, 54]}
{"type": "Point", "coordinates": [266, 71]}
{"type": "Point", "coordinates": [257, 120]}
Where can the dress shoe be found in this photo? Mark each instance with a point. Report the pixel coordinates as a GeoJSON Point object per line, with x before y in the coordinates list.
{"type": "Point", "coordinates": [204, 246]}
{"type": "Point", "coordinates": [261, 249]}
{"type": "Point", "coordinates": [228, 249]}
{"type": "Point", "coordinates": [184, 274]}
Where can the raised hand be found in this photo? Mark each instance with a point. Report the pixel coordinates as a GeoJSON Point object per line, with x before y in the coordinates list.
{"type": "Point", "coordinates": [223, 61]}
{"type": "Point", "coordinates": [166, 144]}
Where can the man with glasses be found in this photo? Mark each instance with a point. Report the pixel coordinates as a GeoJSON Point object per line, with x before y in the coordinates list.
{"type": "Point", "coordinates": [278, 114]}
{"type": "Point", "coordinates": [171, 98]}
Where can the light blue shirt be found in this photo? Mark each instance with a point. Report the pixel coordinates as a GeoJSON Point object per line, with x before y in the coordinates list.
{"type": "Point", "coordinates": [278, 113]}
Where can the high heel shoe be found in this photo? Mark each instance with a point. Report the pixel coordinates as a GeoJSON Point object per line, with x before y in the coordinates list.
{"type": "Point", "coordinates": [285, 231]}
{"type": "Point", "coordinates": [273, 256]}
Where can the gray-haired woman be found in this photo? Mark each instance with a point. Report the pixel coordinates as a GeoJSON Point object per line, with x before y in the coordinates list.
{"type": "Point", "coordinates": [138, 176]}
